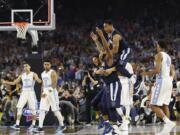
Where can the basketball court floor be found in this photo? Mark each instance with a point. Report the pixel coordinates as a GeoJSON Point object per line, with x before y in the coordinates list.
{"type": "Point", "coordinates": [92, 130]}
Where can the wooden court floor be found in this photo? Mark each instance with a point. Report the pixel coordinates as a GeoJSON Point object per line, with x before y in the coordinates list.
{"type": "Point", "coordinates": [92, 130]}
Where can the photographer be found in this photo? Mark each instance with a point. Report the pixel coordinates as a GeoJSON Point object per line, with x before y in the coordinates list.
{"type": "Point", "coordinates": [147, 116]}
{"type": "Point", "coordinates": [9, 100]}
{"type": "Point", "coordinates": [172, 105]}
{"type": "Point", "coordinates": [69, 100]}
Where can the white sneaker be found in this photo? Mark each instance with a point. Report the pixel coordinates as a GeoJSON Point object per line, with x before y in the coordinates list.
{"type": "Point", "coordinates": [127, 121]}
{"type": "Point", "coordinates": [116, 130]}
{"type": "Point", "coordinates": [31, 128]}
{"type": "Point", "coordinates": [124, 126]}
{"type": "Point", "coordinates": [171, 124]}
{"type": "Point", "coordinates": [167, 128]}
{"type": "Point", "coordinates": [15, 127]}
{"type": "Point", "coordinates": [38, 130]}
{"type": "Point", "coordinates": [60, 129]}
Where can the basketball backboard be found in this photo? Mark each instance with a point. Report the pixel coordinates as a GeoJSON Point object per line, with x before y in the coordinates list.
{"type": "Point", "coordinates": [39, 13]}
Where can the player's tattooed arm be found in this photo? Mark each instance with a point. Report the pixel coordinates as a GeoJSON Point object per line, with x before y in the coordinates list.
{"type": "Point", "coordinates": [101, 56]}
{"type": "Point", "coordinates": [18, 80]}
{"type": "Point", "coordinates": [110, 58]}
{"type": "Point", "coordinates": [96, 41]}
{"type": "Point", "coordinates": [106, 47]}
{"type": "Point", "coordinates": [104, 41]}
{"type": "Point", "coordinates": [116, 39]}
{"type": "Point", "coordinates": [54, 79]}
{"type": "Point", "coordinates": [37, 78]}
{"type": "Point", "coordinates": [157, 68]}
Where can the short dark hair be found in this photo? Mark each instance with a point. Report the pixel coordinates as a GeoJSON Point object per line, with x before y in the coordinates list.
{"type": "Point", "coordinates": [108, 22]}
{"type": "Point", "coordinates": [65, 87]}
{"type": "Point", "coordinates": [162, 44]}
{"type": "Point", "coordinates": [95, 56]}
{"type": "Point", "coordinates": [71, 91]}
{"type": "Point", "coordinates": [46, 60]}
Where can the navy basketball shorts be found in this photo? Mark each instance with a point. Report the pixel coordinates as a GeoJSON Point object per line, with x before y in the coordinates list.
{"type": "Point", "coordinates": [113, 95]}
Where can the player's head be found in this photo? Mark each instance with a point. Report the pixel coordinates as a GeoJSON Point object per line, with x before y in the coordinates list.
{"type": "Point", "coordinates": [47, 64]}
{"type": "Point", "coordinates": [26, 67]}
{"type": "Point", "coordinates": [95, 60]}
{"type": "Point", "coordinates": [108, 26]}
{"type": "Point", "coordinates": [161, 45]}
{"type": "Point", "coordinates": [68, 93]}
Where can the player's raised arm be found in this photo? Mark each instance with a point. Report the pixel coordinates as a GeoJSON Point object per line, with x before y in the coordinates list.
{"type": "Point", "coordinates": [12, 83]}
{"type": "Point", "coordinates": [106, 46]}
{"type": "Point", "coordinates": [36, 78]}
{"type": "Point", "coordinates": [96, 41]}
{"type": "Point", "coordinates": [54, 79]}
{"type": "Point", "coordinates": [104, 41]}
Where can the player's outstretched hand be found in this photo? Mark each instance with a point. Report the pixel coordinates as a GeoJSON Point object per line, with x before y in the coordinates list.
{"type": "Point", "coordinates": [99, 31]}
{"type": "Point", "coordinates": [93, 36]}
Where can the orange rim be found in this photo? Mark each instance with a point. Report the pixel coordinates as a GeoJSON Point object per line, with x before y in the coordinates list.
{"type": "Point", "coordinates": [21, 24]}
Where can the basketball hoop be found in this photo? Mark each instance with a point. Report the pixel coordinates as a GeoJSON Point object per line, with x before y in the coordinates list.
{"type": "Point", "coordinates": [21, 28]}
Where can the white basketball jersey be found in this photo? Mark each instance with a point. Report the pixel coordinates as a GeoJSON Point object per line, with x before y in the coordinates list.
{"type": "Point", "coordinates": [46, 77]}
{"type": "Point", "coordinates": [165, 66]}
{"type": "Point", "coordinates": [129, 68]}
{"type": "Point", "coordinates": [28, 81]}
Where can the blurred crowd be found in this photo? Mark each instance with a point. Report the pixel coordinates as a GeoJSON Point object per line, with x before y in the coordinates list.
{"type": "Point", "coordinates": [70, 49]}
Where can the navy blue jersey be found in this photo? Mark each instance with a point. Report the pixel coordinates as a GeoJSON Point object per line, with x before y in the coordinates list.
{"type": "Point", "coordinates": [124, 49]}
{"type": "Point", "coordinates": [113, 77]}
{"type": "Point", "coordinates": [123, 45]}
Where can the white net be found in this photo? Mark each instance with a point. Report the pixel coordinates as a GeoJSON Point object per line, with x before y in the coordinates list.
{"type": "Point", "coordinates": [34, 35]}
{"type": "Point", "coordinates": [21, 28]}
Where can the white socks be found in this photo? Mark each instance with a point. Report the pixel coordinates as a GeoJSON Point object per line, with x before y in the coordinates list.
{"type": "Point", "coordinates": [41, 118]}
{"type": "Point", "coordinates": [19, 113]}
{"type": "Point", "coordinates": [120, 112]}
{"type": "Point", "coordinates": [17, 122]}
{"type": "Point", "coordinates": [33, 122]}
{"type": "Point", "coordinates": [127, 111]}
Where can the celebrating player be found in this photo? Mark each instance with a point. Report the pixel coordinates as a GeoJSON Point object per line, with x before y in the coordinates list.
{"type": "Point", "coordinates": [118, 46]}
